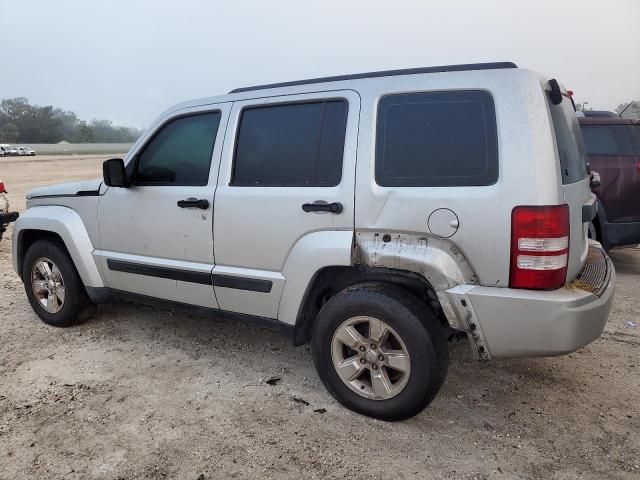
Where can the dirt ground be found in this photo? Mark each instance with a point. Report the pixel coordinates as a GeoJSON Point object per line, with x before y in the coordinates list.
{"type": "Point", "coordinates": [136, 392]}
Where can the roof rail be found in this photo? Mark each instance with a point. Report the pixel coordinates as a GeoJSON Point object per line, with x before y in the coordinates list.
{"type": "Point", "coordinates": [384, 73]}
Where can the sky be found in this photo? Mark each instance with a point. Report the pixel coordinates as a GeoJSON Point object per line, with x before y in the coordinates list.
{"type": "Point", "coordinates": [129, 60]}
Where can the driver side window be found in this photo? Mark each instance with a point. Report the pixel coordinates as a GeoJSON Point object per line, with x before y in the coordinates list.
{"type": "Point", "coordinates": [179, 153]}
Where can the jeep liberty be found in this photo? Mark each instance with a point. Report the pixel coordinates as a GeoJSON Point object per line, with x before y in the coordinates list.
{"type": "Point", "coordinates": [368, 214]}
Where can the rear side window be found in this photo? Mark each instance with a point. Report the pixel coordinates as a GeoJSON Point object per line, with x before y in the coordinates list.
{"type": "Point", "coordinates": [180, 153]}
{"type": "Point", "coordinates": [611, 140]}
{"type": "Point", "coordinates": [569, 140]}
{"type": "Point", "coordinates": [437, 139]}
{"type": "Point", "coordinates": [291, 145]}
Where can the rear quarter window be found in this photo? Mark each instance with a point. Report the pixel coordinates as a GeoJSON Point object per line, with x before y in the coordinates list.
{"type": "Point", "coordinates": [437, 139]}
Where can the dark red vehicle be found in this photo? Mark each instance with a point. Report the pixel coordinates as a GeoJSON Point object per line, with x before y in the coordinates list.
{"type": "Point", "coordinates": [613, 151]}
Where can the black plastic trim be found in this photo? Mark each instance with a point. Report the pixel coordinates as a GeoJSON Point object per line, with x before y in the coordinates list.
{"type": "Point", "coordinates": [383, 73]}
{"type": "Point", "coordinates": [99, 294]}
{"type": "Point", "coordinates": [88, 193]}
{"type": "Point", "coordinates": [242, 283]}
{"type": "Point", "coordinates": [203, 278]}
{"type": "Point", "coordinates": [80, 193]}
{"type": "Point", "coordinates": [589, 212]}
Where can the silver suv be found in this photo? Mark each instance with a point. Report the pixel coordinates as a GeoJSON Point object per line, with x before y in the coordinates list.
{"type": "Point", "coordinates": [370, 214]}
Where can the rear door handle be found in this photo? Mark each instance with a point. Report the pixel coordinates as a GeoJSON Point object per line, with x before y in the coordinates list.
{"type": "Point", "coordinates": [202, 203]}
{"type": "Point", "coordinates": [335, 207]}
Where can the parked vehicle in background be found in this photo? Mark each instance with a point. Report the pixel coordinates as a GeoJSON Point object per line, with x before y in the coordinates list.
{"type": "Point", "coordinates": [9, 151]}
{"type": "Point", "coordinates": [599, 114]}
{"type": "Point", "coordinates": [22, 150]}
{"type": "Point", "coordinates": [439, 226]}
{"type": "Point", "coordinates": [6, 217]}
{"type": "Point", "coordinates": [613, 151]}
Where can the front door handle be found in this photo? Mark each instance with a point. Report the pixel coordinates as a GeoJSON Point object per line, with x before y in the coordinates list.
{"type": "Point", "coordinates": [335, 207]}
{"type": "Point", "coordinates": [202, 203]}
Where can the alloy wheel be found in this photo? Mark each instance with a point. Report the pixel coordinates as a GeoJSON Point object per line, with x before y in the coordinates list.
{"type": "Point", "coordinates": [370, 358]}
{"type": "Point", "coordinates": [48, 285]}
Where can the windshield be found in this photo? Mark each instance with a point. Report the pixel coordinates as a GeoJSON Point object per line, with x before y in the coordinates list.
{"type": "Point", "coordinates": [569, 140]}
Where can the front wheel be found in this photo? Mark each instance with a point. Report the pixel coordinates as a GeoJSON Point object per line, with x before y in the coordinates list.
{"type": "Point", "coordinates": [380, 351]}
{"type": "Point", "coordinates": [52, 284]}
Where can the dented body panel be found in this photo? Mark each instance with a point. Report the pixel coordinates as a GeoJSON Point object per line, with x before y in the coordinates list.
{"type": "Point", "coordinates": [441, 263]}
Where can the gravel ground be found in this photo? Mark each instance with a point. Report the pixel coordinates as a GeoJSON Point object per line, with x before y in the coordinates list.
{"type": "Point", "coordinates": [135, 392]}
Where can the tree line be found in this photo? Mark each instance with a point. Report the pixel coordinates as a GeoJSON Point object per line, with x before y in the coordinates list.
{"type": "Point", "coordinates": [629, 110]}
{"type": "Point", "coordinates": [21, 122]}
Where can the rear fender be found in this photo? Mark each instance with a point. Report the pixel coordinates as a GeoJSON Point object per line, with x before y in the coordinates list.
{"type": "Point", "coordinates": [438, 260]}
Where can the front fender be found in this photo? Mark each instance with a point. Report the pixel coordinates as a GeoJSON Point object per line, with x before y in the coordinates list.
{"type": "Point", "coordinates": [67, 224]}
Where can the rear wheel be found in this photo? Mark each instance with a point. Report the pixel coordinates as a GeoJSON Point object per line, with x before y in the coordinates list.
{"type": "Point", "coordinates": [52, 284]}
{"type": "Point", "coordinates": [380, 351]}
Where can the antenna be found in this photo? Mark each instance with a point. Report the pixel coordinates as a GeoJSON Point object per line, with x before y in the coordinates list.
{"type": "Point", "coordinates": [625, 108]}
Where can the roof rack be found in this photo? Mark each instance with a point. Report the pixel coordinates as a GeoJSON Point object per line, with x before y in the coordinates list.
{"type": "Point", "coordinates": [384, 73]}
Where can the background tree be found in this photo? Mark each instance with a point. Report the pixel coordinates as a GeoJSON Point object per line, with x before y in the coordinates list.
{"type": "Point", "coordinates": [21, 122]}
{"type": "Point", "coordinates": [9, 133]}
{"type": "Point", "coordinates": [633, 110]}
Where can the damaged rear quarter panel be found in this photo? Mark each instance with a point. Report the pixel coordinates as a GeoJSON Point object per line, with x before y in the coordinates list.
{"type": "Point", "coordinates": [438, 260]}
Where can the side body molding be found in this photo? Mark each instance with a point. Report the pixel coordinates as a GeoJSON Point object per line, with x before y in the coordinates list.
{"type": "Point", "coordinates": [66, 223]}
{"type": "Point", "coordinates": [310, 254]}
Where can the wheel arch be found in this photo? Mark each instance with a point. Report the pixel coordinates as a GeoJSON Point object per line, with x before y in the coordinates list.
{"type": "Point", "coordinates": [64, 225]}
{"type": "Point", "coordinates": [329, 281]}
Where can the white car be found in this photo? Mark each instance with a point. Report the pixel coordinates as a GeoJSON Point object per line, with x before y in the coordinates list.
{"type": "Point", "coordinates": [22, 150]}
{"type": "Point", "coordinates": [8, 150]}
{"type": "Point", "coordinates": [368, 214]}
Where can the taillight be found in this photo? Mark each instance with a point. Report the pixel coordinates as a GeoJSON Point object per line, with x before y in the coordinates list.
{"type": "Point", "coordinates": [2, 190]}
{"type": "Point", "coordinates": [539, 247]}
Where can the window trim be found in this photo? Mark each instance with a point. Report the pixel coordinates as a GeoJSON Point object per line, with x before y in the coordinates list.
{"type": "Point", "coordinates": [152, 137]}
{"type": "Point", "coordinates": [236, 137]}
{"type": "Point", "coordinates": [416, 184]}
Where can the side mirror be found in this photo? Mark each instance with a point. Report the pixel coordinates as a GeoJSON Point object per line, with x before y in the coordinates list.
{"type": "Point", "coordinates": [114, 173]}
{"type": "Point", "coordinates": [595, 180]}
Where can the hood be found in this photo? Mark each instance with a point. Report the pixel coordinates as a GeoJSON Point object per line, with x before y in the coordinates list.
{"type": "Point", "coordinates": [71, 189]}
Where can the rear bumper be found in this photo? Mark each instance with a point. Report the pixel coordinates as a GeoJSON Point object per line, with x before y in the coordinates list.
{"type": "Point", "coordinates": [620, 234]}
{"type": "Point", "coordinates": [506, 322]}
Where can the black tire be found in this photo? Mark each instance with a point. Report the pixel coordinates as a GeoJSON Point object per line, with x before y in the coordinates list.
{"type": "Point", "coordinates": [418, 328]}
{"type": "Point", "coordinates": [75, 298]}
